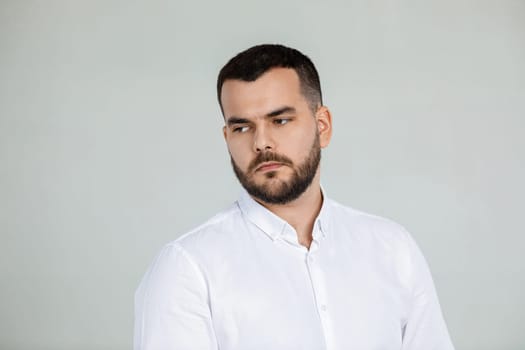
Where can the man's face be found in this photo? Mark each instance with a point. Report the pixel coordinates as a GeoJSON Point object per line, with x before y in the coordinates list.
{"type": "Point", "coordinates": [273, 136]}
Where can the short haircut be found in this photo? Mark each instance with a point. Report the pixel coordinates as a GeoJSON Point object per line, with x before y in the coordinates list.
{"type": "Point", "coordinates": [250, 64]}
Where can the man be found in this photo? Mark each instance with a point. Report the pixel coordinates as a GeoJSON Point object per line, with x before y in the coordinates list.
{"type": "Point", "coordinates": [285, 267]}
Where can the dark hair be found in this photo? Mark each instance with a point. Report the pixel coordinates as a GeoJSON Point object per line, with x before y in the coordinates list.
{"type": "Point", "coordinates": [250, 64]}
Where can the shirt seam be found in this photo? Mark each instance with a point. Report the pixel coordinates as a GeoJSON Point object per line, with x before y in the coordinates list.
{"type": "Point", "coordinates": [147, 294]}
{"type": "Point", "coordinates": [204, 281]}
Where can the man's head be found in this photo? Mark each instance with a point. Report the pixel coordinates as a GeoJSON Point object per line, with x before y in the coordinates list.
{"type": "Point", "coordinates": [250, 64]}
{"type": "Point", "coordinates": [275, 123]}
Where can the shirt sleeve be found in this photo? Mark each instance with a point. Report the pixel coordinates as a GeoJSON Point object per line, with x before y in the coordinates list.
{"type": "Point", "coordinates": [171, 305]}
{"type": "Point", "coordinates": [425, 327]}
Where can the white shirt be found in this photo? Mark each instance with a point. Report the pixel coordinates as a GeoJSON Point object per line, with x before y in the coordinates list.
{"type": "Point", "coordinates": [242, 281]}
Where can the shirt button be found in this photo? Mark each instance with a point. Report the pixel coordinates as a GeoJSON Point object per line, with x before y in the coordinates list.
{"type": "Point", "coordinates": [323, 307]}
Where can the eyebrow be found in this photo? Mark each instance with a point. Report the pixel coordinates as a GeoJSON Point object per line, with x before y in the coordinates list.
{"type": "Point", "coordinates": [236, 120]}
{"type": "Point", "coordinates": [282, 110]}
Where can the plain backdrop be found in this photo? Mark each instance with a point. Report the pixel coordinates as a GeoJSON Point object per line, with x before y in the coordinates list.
{"type": "Point", "coordinates": [111, 146]}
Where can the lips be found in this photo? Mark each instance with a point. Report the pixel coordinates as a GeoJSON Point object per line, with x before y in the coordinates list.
{"type": "Point", "coordinates": [267, 166]}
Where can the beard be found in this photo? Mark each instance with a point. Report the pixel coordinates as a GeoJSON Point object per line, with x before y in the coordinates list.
{"type": "Point", "coordinates": [280, 191]}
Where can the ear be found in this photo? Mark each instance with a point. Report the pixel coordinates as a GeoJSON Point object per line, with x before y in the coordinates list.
{"type": "Point", "coordinates": [224, 133]}
{"type": "Point", "coordinates": [323, 119]}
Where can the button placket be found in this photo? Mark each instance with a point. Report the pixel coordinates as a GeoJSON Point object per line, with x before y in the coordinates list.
{"type": "Point", "coordinates": [318, 286]}
{"type": "Point", "coordinates": [316, 275]}
{"type": "Point", "coordinates": [318, 283]}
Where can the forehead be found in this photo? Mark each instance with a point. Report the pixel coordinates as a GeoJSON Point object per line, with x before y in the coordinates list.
{"type": "Point", "coordinates": [276, 88]}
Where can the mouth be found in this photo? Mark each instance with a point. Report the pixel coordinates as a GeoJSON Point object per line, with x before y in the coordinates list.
{"type": "Point", "coordinates": [268, 166]}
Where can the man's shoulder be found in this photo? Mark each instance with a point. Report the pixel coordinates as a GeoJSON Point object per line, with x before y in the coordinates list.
{"type": "Point", "coordinates": [362, 224]}
{"type": "Point", "coordinates": [212, 231]}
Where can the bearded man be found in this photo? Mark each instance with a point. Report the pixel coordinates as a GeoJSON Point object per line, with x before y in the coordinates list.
{"type": "Point", "coordinates": [285, 267]}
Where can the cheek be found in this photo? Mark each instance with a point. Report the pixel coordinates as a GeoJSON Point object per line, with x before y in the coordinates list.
{"type": "Point", "coordinates": [298, 146]}
{"type": "Point", "coordinates": [240, 153]}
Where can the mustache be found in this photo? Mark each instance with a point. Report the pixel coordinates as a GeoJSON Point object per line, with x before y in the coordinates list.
{"type": "Point", "coordinates": [268, 157]}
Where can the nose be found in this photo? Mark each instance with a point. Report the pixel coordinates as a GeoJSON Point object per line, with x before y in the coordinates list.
{"type": "Point", "coordinates": [262, 140]}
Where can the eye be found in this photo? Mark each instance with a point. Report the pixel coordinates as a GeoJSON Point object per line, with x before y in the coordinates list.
{"type": "Point", "coordinates": [241, 129]}
{"type": "Point", "coordinates": [281, 121]}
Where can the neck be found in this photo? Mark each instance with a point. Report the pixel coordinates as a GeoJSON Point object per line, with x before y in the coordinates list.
{"type": "Point", "coordinates": [301, 212]}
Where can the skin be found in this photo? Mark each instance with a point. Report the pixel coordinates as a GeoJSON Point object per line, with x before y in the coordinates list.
{"type": "Point", "coordinates": [271, 115]}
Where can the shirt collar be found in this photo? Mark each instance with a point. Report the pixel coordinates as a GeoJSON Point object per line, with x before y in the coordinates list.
{"type": "Point", "coordinates": [274, 226]}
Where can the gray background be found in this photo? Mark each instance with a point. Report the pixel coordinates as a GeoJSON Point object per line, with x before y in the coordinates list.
{"type": "Point", "coordinates": [111, 146]}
